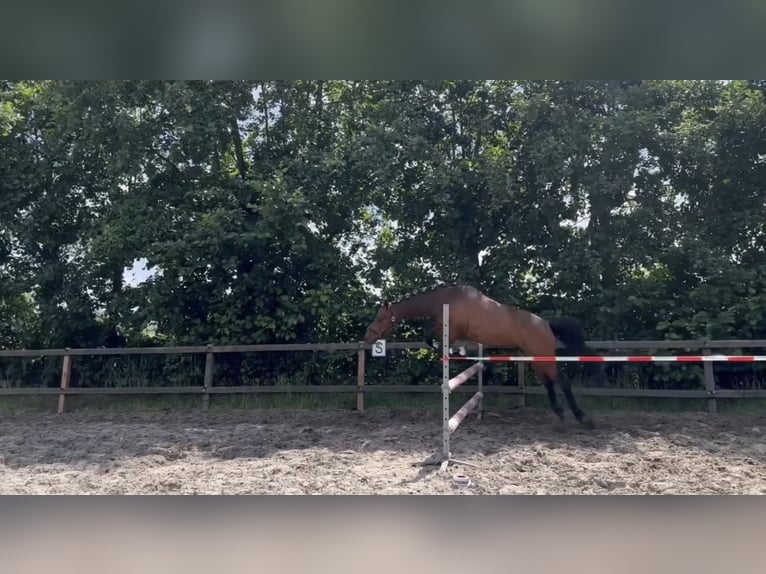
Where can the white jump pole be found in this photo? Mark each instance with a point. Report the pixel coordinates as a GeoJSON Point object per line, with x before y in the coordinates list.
{"type": "Point", "coordinates": [450, 424]}
{"type": "Point", "coordinates": [445, 383]}
{"type": "Point", "coordinates": [475, 403]}
{"type": "Point", "coordinates": [480, 377]}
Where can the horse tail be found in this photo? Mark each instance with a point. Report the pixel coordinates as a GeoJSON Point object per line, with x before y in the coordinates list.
{"type": "Point", "coordinates": [570, 332]}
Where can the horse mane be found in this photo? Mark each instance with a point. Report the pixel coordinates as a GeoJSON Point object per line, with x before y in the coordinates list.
{"type": "Point", "coordinates": [423, 291]}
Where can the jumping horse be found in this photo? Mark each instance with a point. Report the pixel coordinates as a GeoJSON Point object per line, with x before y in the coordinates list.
{"type": "Point", "coordinates": [478, 318]}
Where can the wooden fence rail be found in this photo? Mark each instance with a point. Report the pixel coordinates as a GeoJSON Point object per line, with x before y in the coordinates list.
{"type": "Point", "coordinates": [207, 387]}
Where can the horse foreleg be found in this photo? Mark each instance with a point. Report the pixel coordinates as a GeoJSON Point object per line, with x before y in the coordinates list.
{"type": "Point", "coordinates": [432, 342]}
{"type": "Point", "coordinates": [436, 343]}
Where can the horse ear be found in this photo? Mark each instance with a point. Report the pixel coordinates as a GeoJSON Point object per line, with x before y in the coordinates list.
{"type": "Point", "coordinates": [386, 303]}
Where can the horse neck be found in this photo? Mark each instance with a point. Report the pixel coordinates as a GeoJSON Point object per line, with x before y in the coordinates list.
{"type": "Point", "coordinates": [415, 307]}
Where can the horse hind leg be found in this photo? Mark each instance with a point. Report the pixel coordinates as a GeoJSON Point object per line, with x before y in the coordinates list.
{"type": "Point", "coordinates": [550, 375]}
{"type": "Point", "coordinates": [581, 417]}
{"type": "Point", "coordinates": [549, 384]}
{"type": "Point", "coordinates": [566, 387]}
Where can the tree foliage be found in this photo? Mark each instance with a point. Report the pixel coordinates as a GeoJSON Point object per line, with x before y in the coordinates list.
{"type": "Point", "coordinates": [278, 211]}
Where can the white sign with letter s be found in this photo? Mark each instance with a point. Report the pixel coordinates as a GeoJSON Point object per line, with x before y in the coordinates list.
{"type": "Point", "coordinates": [379, 348]}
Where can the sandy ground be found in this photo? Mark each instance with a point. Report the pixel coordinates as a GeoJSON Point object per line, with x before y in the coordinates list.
{"type": "Point", "coordinates": [321, 452]}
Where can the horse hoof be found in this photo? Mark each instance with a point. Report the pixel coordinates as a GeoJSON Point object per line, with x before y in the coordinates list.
{"type": "Point", "coordinates": [559, 426]}
{"type": "Point", "coordinates": [588, 423]}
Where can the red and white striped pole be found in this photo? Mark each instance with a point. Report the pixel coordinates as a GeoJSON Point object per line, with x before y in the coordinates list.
{"type": "Point", "coordinates": [618, 359]}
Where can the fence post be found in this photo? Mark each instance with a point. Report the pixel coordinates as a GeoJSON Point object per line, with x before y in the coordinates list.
{"type": "Point", "coordinates": [208, 382]}
{"type": "Point", "coordinates": [521, 373]}
{"type": "Point", "coordinates": [66, 373]}
{"type": "Point", "coordinates": [360, 368]}
{"type": "Point", "coordinates": [712, 404]}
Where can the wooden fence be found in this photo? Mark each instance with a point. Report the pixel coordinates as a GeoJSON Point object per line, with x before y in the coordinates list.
{"type": "Point", "coordinates": [207, 387]}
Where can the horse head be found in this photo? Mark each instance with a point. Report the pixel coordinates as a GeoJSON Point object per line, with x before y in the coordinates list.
{"type": "Point", "coordinates": [384, 323]}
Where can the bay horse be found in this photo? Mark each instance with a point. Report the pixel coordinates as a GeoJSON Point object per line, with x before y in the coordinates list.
{"type": "Point", "coordinates": [478, 318]}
